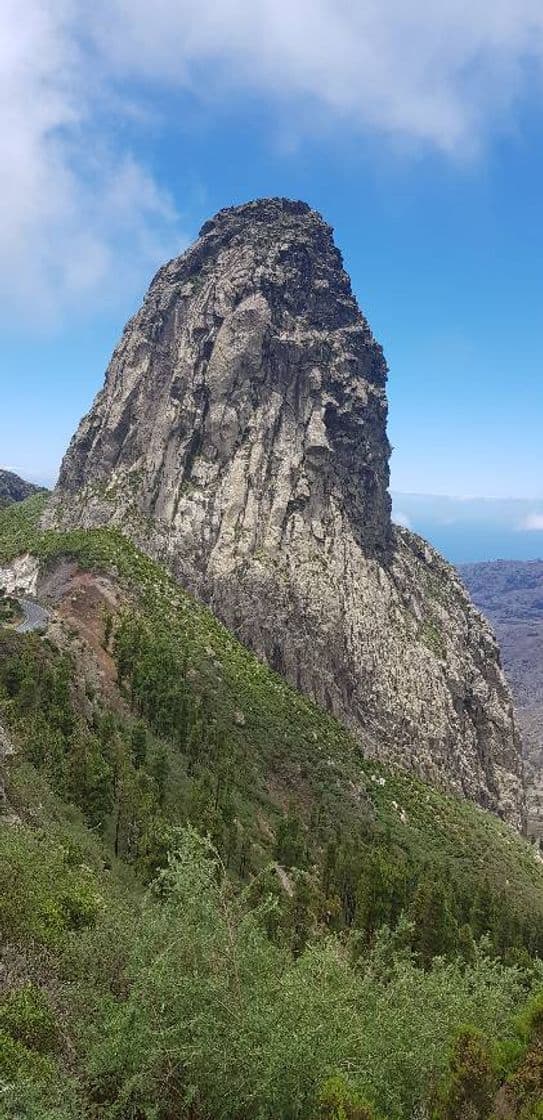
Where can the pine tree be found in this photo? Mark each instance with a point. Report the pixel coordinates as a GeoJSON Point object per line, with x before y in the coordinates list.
{"type": "Point", "coordinates": [160, 771]}
{"type": "Point", "coordinates": [290, 841]}
{"type": "Point", "coordinates": [380, 893]}
{"type": "Point", "coordinates": [138, 742]}
{"type": "Point", "coordinates": [329, 866]}
{"type": "Point", "coordinates": [434, 927]}
{"type": "Point", "coordinates": [301, 912]}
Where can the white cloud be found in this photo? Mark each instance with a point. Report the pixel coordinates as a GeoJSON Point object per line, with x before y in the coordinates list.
{"type": "Point", "coordinates": [439, 71]}
{"type": "Point", "coordinates": [79, 218]}
{"type": "Point", "coordinates": [533, 522]}
{"type": "Point", "coordinates": [76, 205]}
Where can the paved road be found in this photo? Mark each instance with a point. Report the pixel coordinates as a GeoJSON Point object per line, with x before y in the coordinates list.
{"type": "Point", "coordinates": [35, 617]}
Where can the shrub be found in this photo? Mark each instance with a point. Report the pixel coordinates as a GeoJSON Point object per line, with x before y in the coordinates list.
{"type": "Point", "coordinates": [32, 1087]}
{"type": "Point", "coordinates": [41, 895]}
{"type": "Point", "coordinates": [25, 1014]}
{"type": "Point", "coordinates": [338, 1101]}
{"type": "Point", "coordinates": [471, 1083]}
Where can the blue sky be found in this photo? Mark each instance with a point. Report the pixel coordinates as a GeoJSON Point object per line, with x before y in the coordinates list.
{"type": "Point", "coordinates": [418, 134]}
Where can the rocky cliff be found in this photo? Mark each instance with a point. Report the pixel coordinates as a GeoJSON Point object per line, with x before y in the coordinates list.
{"type": "Point", "coordinates": [240, 437]}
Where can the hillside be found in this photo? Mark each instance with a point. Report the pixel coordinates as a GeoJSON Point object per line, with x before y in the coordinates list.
{"type": "Point", "coordinates": [269, 726]}
{"type": "Point", "coordinates": [138, 715]}
{"type": "Point", "coordinates": [510, 594]}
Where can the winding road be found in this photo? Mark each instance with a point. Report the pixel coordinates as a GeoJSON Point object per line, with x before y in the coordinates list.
{"type": "Point", "coordinates": [35, 617]}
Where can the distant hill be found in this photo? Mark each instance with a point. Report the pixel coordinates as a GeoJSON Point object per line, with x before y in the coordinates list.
{"type": "Point", "coordinates": [510, 594]}
{"type": "Point", "coordinates": [15, 489]}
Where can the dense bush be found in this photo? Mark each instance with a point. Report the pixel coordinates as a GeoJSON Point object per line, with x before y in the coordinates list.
{"type": "Point", "coordinates": [42, 894]}
{"type": "Point", "coordinates": [220, 1021]}
{"type": "Point", "coordinates": [32, 1085]}
{"type": "Point", "coordinates": [25, 1014]}
{"type": "Point", "coordinates": [470, 1087]}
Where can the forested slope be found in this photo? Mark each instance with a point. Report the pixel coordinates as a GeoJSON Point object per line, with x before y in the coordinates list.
{"type": "Point", "coordinates": [211, 905]}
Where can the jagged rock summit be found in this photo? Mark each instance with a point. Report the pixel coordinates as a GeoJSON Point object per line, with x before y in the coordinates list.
{"type": "Point", "coordinates": [240, 438]}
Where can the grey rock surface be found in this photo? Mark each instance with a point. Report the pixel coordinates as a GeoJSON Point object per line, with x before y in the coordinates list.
{"type": "Point", "coordinates": [240, 438]}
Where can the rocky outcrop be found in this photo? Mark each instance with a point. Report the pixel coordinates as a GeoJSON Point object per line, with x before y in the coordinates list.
{"type": "Point", "coordinates": [240, 438]}
{"type": "Point", "coordinates": [21, 576]}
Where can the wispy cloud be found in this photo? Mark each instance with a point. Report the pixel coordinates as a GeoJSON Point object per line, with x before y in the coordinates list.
{"type": "Point", "coordinates": [400, 518]}
{"type": "Point", "coordinates": [533, 523]}
{"type": "Point", "coordinates": [76, 204]}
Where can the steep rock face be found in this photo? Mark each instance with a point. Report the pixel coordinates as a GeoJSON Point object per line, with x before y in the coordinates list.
{"type": "Point", "coordinates": [240, 437]}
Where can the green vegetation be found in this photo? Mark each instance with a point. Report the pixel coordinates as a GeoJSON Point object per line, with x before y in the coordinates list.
{"type": "Point", "coordinates": [180, 1004]}
{"type": "Point", "coordinates": [214, 907]}
{"type": "Point", "coordinates": [432, 637]}
{"type": "Point", "coordinates": [270, 1030]}
{"type": "Point", "coordinates": [9, 609]}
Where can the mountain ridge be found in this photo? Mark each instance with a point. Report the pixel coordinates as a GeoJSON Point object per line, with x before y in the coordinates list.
{"type": "Point", "coordinates": [13, 488]}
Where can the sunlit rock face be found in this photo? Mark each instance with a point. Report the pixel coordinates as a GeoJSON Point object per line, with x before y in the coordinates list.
{"type": "Point", "coordinates": [240, 438]}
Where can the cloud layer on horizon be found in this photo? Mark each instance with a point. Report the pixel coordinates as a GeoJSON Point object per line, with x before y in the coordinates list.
{"type": "Point", "coordinates": [468, 530]}
{"type": "Point", "coordinates": [78, 206]}
{"type": "Point", "coordinates": [533, 523]}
